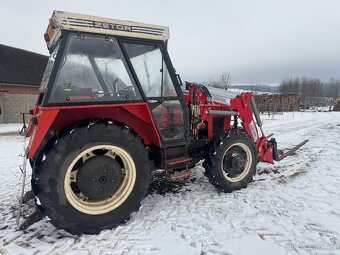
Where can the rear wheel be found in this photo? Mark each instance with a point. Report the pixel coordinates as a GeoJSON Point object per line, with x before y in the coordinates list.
{"type": "Point", "coordinates": [231, 162]}
{"type": "Point", "coordinates": [93, 178]}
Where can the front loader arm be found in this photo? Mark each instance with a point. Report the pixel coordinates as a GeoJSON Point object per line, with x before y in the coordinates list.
{"type": "Point", "coordinates": [242, 104]}
{"type": "Point", "coordinates": [242, 107]}
{"type": "Point", "coordinates": [246, 108]}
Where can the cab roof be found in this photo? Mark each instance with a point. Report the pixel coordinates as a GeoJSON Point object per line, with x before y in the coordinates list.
{"type": "Point", "coordinates": [91, 24]}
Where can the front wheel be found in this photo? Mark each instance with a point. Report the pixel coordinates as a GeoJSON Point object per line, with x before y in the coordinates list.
{"type": "Point", "coordinates": [93, 178]}
{"type": "Point", "coordinates": [231, 162]}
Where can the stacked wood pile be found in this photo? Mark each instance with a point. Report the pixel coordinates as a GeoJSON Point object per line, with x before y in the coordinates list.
{"type": "Point", "coordinates": [277, 102]}
{"type": "Point", "coordinates": [336, 106]}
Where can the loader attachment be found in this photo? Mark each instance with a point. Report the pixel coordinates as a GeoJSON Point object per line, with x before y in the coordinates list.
{"type": "Point", "coordinates": [279, 157]}
{"type": "Point", "coordinates": [268, 151]}
{"type": "Point", "coordinates": [243, 107]}
{"type": "Point", "coordinates": [266, 145]}
{"type": "Point", "coordinates": [272, 142]}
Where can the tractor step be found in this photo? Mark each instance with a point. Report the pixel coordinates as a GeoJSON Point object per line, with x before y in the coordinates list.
{"type": "Point", "coordinates": [180, 175]}
{"type": "Point", "coordinates": [177, 161]}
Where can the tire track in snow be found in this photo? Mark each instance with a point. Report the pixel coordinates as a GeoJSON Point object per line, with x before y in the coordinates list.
{"type": "Point", "coordinates": [321, 194]}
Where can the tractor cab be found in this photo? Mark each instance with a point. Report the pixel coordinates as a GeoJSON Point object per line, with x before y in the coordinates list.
{"type": "Point", "coordinates": [103, 61]}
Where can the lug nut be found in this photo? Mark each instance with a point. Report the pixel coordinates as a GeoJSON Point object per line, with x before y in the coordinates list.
{"type": "Point", "coordinates": [112, 180]}
{"type": "Point", "coordinates": [93, 179]}
{"type": "Point", "coordinates": [101, 189]}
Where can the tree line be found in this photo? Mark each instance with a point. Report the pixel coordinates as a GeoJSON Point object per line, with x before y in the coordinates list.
{"type": "Point", "coordinates": [310, 87]}
{"type": "Point", "coordinates": [304, 87]}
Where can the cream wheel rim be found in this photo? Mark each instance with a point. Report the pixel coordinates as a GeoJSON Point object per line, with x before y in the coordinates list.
{"type": "Point", "coordinates": [85, 205]}
{"type": "Point", "coordinates": [247, 161]}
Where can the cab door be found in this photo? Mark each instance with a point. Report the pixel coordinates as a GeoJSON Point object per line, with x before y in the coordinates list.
{"type": "Point", "coordinates": [152, 71]}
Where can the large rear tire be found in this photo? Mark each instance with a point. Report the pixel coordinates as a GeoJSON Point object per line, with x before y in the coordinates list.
{"type": "Point", "coordinates": [231, 162]}
{"type": "Point", "coordinates": [93, 178]}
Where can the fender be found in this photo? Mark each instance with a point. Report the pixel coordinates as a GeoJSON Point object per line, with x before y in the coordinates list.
{"type": "Point", "coordinates": [136, 116]}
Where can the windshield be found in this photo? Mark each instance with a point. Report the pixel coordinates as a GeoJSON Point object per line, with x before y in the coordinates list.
{"type": "Point", "coordinates": [92, 68]}
{"type": "Point", "coordinates": [48, 70]}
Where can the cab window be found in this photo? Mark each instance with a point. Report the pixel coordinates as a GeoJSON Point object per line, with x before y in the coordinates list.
{"type": "Point", "coordinates": [154, 77]}
{"type": "Point", "coordinates": [151, 69]}
{"type": "Point", "coordinates": [92, 69]}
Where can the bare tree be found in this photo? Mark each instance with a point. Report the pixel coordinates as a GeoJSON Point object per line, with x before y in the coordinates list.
{"type": "Point", "coordinates": [305, 87]}
{"type": "Point", "coordinates": [290, 86]}
{"type": "Point", "coordinates": [226, 80]}
{"type": "Point", "coordinates": [222, 82]}
{"type": "Point", "coordinates": [311, 87]}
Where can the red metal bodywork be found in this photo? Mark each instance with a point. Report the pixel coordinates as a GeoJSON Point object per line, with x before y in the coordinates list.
{"type": "Point", "coordinates": [204, 106]}
{"type": "Point", "coordinates": [241, 104]}
{"type": "Point", "coordinates": [136, 116]}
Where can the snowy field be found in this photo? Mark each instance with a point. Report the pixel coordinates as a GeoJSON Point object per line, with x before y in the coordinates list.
{"type": "Point", "coordinates": [292, 207]}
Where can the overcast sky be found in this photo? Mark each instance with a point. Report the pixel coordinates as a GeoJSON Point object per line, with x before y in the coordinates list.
{"type": "Point", "coordinates": [259, 42]}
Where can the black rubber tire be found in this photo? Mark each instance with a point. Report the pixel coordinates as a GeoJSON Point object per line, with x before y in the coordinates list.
{"type": "Point", "coordinates": [213, 161]}
{"type": "Point", "coordinates": [50, 174]}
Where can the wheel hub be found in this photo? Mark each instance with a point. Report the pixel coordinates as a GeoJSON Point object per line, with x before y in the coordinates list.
{"type": "Point", "coordinates": [234, 162]}
{"type": "Point", "coordinates": [237, 163]}
{"type": "Point", "coordinates": [99, 177]}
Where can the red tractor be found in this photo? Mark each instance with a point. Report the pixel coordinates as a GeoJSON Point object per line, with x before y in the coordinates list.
{"type": "Point", "coordinates": [112, 109]}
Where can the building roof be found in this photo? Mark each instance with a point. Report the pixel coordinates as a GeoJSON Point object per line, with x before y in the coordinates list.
{"type": "Point", "coordinates": [22, 67]}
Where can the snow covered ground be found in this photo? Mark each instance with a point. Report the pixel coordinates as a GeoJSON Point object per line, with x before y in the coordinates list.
{"type": "Point", "coordinates": [292, 207]}
{"type": "Point", "coordinates": [10, 128]}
